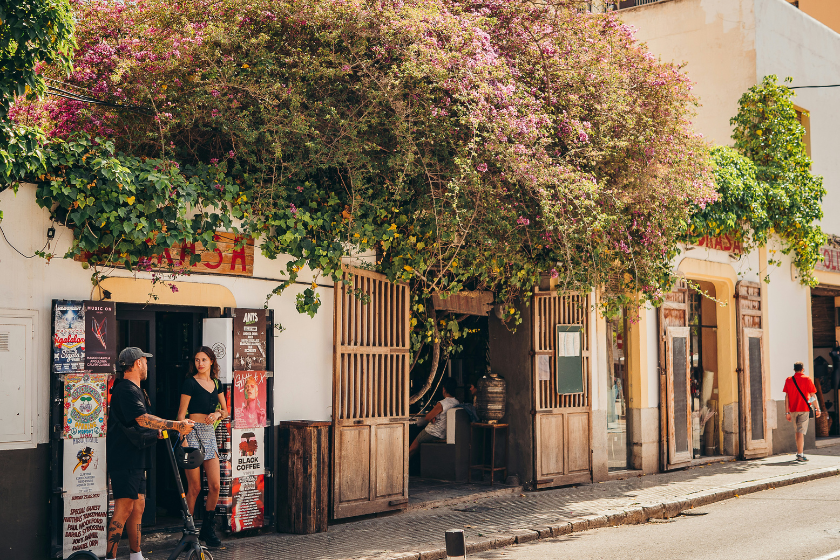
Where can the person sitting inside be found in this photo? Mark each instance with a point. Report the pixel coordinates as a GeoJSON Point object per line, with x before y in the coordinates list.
{"type": "Point", "coordinates": [435, 430]}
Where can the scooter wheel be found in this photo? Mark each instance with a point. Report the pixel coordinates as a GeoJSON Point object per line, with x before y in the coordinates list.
{"type": "Point", "coordinates": [193, 555]}
{"type": "Point", "coordinates": [83, 555]}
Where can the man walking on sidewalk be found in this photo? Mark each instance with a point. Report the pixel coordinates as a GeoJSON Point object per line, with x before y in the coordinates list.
{"type": "Point", "coordinates": [800, 392]}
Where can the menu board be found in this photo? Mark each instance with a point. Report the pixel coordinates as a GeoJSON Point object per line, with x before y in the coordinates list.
{"type": "Point", "coordinates": [249, 339]}
{"type": "Point", "coordinates": [69, 337]}
{"type": "Point", "coordinates": [100, 336]}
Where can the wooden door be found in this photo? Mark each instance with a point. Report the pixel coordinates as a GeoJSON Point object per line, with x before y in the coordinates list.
{"type": "Point", "coordinates": [370, 395]}
{"type": "Point", "coordinates": [675, 379]}
{"type": "Point", "coordinates": [562, 422]}
{"type": "Point", "coordinates": [751, 368]}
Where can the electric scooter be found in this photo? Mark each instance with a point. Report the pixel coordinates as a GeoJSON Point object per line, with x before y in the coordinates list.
{"type": "Point", "coordinates": [189, 542]}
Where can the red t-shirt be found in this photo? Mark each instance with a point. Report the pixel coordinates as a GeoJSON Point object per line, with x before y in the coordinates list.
{"type": "Point", "coordinates": [795, 400]}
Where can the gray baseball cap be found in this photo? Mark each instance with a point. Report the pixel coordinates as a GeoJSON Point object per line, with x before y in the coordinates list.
{"type": "Point", "coordinates": [130, 355]}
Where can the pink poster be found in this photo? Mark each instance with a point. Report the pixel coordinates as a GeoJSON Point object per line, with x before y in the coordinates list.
{"type": "Point", "coordinates": [249, 399]}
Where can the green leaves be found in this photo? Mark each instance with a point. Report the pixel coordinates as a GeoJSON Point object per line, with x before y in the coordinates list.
{"type": "Point", "coordinates": [765, 185]}
{"type": "Point", "coordinates": [32, 32]}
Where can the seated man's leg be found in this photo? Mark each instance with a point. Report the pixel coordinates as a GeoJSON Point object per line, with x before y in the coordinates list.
{"type": "Point", "coordinates": [422, 437]}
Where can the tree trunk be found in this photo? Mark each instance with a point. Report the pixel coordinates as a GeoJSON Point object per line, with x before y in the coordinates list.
{"type": "Point", "coordinates": [433, 370]}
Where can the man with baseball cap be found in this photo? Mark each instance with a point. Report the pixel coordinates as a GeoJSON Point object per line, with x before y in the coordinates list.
{"type": "Point", "coordinates": [130, 424]}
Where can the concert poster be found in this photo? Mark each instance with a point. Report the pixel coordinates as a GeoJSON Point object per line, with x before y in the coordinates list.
{"type": "Point", "coordinates": [249, 339]}
{"type": "Point", "coordinates": [248, 510]}
{"type": "Point", "coordinates": [69, 337]}
{"type": "Point", "coordinates": [84, 523]}
{"type": "Point", "coordinates": [84, 405]}
{"type": "Point", "coordinates": [249, 399]}
{"type": "Point", "coordinates": [84, 466]}
{"type": "Point", "coordinates": [100, 336]}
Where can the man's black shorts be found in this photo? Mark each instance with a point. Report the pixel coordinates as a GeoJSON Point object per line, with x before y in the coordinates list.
{"type": "Point", "coordinates": [128, 484]}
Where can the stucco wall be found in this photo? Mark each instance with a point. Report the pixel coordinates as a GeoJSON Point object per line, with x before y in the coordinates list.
{"type": "Point", "coordinates": [791, 43]}
{"type": "Point", "coordinates": [303, 352]}
{"type": "Point", "coordinates": [825, 11]}
{"type": "Point", "coordinates": [715, 40]}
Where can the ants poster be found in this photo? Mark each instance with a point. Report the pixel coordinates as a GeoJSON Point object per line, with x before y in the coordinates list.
{"type": "Point", "coordinates": [248, 455]}
{"type": "Point", "coordinates": [68, 337]}
{"type": "Point", "coordinates": [85, 520]}
{"type": "Point", "coordinates": [248, 510]}
{"type": "Point", "coordinates": [249, 339]}
{"type": "Point", "coordinates": [84, 466]}
{"type": "Point", "coordinates": [249, 399]}
{"type": "Point", "coordinates": [84, 405]}
{"type": "Point", "coordinates": [100, 336]}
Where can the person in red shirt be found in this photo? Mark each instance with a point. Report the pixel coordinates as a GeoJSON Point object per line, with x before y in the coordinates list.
{"type": "Point", "coordinates": [797, 407]}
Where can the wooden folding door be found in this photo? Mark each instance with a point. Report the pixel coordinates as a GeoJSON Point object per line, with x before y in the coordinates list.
{"type": "Point", "coordinates": [751, 382]}
{"type": "Point", "coordinates": [562, 422]}
{"type": "Point", "coordinates": [675, 382]}
{"type": "Point", "coordinates": [370, 395]}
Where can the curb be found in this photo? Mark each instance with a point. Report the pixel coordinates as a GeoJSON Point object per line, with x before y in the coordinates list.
{"type": "Point", "coordinates": [632, 516]}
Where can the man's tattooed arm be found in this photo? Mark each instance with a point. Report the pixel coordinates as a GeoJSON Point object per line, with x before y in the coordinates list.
{"type": "Point", "coordinates": [155, 423]}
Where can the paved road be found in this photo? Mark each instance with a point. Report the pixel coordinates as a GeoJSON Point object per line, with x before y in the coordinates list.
{"type": "Point", "coordinates": [799, 522]}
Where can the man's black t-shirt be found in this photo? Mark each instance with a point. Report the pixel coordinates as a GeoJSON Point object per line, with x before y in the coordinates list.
{"type": "Point", "coordinates": [127, 404]}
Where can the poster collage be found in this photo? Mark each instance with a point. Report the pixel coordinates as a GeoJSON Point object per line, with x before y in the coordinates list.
{"type": "Point", "coordinates": [84, 353]}
{"type": "Point", "coordinates": [84, 349]}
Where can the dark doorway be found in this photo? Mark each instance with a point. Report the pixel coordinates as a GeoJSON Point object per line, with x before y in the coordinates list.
{"type": "Point", "coordinates": [171, 334]}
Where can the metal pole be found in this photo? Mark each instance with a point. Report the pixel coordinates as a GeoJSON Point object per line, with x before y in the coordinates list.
{"type": "Point", "coordinates": [456, 545]}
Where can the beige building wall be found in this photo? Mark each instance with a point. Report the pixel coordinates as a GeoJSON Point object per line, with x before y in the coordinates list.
{"type": "Point", "coordinates": [715, 39]}
{"type": "Point", "coordinates": [825, 11]}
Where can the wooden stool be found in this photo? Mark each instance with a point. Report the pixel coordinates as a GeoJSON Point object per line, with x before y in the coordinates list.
{"type": "Point", "coordinates": [484, 466]}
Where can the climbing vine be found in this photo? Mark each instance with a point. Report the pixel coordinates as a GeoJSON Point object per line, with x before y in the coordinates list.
{"type": "Point", "coordinates": [765, 185]}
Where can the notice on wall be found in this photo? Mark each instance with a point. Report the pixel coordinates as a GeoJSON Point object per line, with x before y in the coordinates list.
{"type": "Point", "coordinates": [69, 337]}
{"type": "Point", "coordinates": [543, 368]}
{"type": "Point", "coordinates": [249, 339]}
{"type": "Point", "coordinates": [217, 334]}
{"type": "Point", "coordinates": [248, 451]}
{"type": "Point", "coordinates": [248, 510]}
{"type": "Point", "coordinates": [84, 405]}
{"type": "Point", "coordinates": [568, 344]}
{"type": "Point", "coordinates": [249, 399]}
{"type": "Point", "coordinates": [100, 336]}
{"type": "Point", "coordinates": [85, 519]}
{"type": "Point", "coordinates": [84, 466]}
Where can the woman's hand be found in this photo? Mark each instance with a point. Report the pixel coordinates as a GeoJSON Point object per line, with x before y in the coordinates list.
{"type": "Point", "coordinates": [212, 417]}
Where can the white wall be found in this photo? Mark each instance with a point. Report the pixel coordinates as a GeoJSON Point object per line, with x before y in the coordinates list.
{"type": "Point", "coordinates": [303, 352]}
{"type": "Point", "coordinates": [791, 43]}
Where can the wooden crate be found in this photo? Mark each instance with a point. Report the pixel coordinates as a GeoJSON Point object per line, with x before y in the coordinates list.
{"type": "Point", "coordinates": [304, 477]}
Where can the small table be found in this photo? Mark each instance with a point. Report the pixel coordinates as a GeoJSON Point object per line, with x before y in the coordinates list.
{"type": "Point", "coordinates": [487, 429]}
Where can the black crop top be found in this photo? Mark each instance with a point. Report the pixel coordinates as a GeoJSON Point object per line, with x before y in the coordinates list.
{"type": "Point", "coordinates": [202, 401]}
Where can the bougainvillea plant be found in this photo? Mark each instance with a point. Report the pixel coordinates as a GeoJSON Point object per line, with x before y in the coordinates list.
{"type": "Point", "coordinates": [467, 144]}
{"type": "Point", "coordinates": [765, 184]}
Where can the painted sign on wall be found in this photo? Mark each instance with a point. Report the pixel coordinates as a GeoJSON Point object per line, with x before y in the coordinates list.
{"type": "Point", "coordinates": [726, 243]}
{"type": "Point", "coordinates": [831, 259]}
{"type": "Point", "coordinates": [249, 339]}
{"type": "Point", "coordinates": [248, 510]}
{"type": "Point", "coordinates": [84, 466]}
{"type": "Point", "coordinates": [249, 399]}
{"type": "Point", "coordinates": [85, 517]}
{"type": "Point", "coordinates": [100, 336]}
{"type": "Point", "coordinates": [69, 337]}
{"type": "Point", "coordinates": [84, 405]}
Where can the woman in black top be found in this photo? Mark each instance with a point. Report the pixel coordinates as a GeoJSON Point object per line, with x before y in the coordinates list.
{"type": "Point", "coordinates": [200, 396]}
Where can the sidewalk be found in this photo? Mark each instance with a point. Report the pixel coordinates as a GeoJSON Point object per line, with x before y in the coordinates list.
{"type": "Point", "coordinates": [499, 521]}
